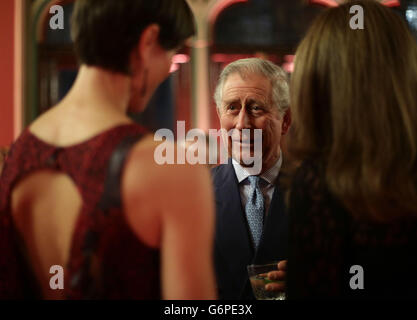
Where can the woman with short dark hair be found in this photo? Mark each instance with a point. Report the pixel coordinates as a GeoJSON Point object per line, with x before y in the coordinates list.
{"type": "Point", "coordinates": [81, 189]}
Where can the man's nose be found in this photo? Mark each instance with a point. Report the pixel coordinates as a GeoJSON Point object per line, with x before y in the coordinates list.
{"type": "Point", "coordinates": [243, 120]}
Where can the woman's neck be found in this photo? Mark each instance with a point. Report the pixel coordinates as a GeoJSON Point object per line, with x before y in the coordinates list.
{"type": "Point", "coordinates": [101, 89]}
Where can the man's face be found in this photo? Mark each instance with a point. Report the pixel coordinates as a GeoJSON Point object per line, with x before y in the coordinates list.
{"type": "Point", "coordinates": [246, 104]}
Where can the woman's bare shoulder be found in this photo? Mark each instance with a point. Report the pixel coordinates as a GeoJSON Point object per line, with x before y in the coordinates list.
{"type": "Point", "coordinates": [167, 194]}
{"type": "Point", "coordinates": [145, 175]}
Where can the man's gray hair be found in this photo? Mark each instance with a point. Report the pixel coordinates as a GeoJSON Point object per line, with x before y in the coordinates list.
{"type": "Point", "coordinates": [246, 67]}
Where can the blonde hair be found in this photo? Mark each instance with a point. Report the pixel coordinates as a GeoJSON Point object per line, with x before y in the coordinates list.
{"type": "Point", "coordinates": [354, 105]}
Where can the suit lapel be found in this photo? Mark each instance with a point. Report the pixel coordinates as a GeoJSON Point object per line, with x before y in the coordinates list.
{"type": "Point", "coordinates": [232, 237]}
{"type": "Point", "coordinates": [273, 245]}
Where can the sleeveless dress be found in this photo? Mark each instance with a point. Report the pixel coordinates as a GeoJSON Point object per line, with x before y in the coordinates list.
{"type": "Point", "coordinates": [107, 260]}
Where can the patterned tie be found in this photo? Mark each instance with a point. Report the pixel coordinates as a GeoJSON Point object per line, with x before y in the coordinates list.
{"type": "Point", "coordinates": [255, 209]}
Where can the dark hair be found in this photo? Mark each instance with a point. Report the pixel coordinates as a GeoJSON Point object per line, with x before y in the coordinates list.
{"type": "Point", "coordinates": [354, 109]}
{"type": "Point", "coordinates": [106, 31]}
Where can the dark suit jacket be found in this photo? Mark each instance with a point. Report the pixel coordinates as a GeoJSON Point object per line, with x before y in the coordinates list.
{"type": "Point", "coordinates": [233, 245]}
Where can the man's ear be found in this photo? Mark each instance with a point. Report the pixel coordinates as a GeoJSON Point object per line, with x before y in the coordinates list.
{"type": "Point", "coordinates": [148, 41]}
{"type": "Point", "coordinates": [286, 123]}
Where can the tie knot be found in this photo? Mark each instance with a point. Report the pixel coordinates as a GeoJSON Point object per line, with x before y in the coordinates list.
{"type": "Point", "coordinates": [254, 180]}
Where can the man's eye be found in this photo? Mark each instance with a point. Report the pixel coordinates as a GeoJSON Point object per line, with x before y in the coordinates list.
{"type": "Point", "coordinates": [256, 108]}
{"type": "Point", "coordinates": [231, 107]}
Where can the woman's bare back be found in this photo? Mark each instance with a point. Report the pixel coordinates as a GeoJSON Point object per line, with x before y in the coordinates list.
{"type": "Point", "coordinates": [47, 204]}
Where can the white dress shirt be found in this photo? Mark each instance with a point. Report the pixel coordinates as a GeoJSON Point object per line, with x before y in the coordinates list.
{"type": "Point", "coordinates": [267, 183]}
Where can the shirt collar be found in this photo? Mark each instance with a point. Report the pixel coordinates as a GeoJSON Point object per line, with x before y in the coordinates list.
{"type": "Point", "coordinates": [270, 175]}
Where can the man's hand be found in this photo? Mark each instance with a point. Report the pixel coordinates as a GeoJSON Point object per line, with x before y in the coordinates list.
{"type": "Point", "coordinates": [278, 276]}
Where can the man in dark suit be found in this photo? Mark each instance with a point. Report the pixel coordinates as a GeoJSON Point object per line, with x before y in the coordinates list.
{"type": "Point", "coordinates": [251, 224]}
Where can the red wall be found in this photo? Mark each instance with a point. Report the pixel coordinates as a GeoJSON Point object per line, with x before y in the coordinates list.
{"type": "Point", "coordinates": [6, 71]}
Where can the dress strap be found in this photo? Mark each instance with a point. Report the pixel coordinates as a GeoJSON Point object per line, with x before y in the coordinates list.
{"type": "Point", "coordinates": [84, 278]}
{"type": "Point", "coordinates": [111, 196]}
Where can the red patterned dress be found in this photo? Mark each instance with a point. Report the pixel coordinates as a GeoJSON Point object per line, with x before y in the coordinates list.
{"type": "Point", "coordinates": [127, 268]}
